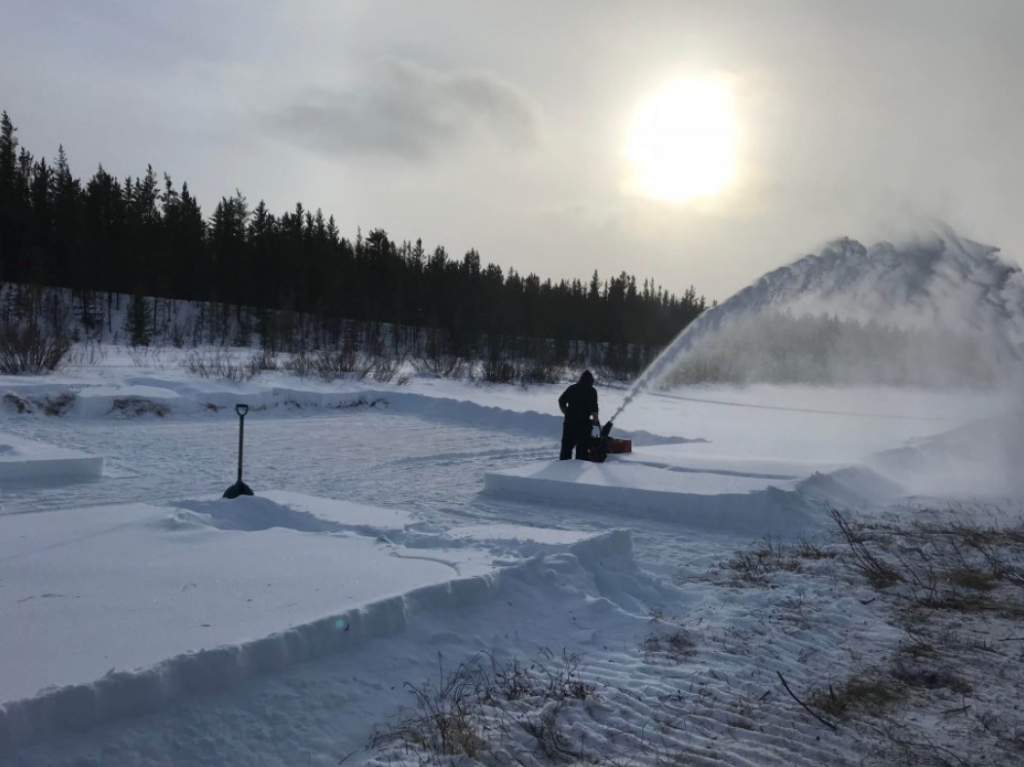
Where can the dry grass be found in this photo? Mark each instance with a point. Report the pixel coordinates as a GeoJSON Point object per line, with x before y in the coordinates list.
{"type": "Point", "coordinates": [445, 720]}
{"type": "Point", "coordinates": [675, 646]}
{"type": "Point", "coordinates": [58, 404]}
{"type": "Point", "coordinates": [878, 572]}
{"type": "Point", "coordinates": [133, 407]}
{"type": "Point", "coordinates": [872, 693]}
{"type": "Point", "coordinates": [470, 711]}
{"type": "Point", "coordinates": [18, 404]}
{"type": "Point", "coordinates": [755, 565]}
{"type": "Point", "coordinates": [972, 578]}
{"type": "Point", "coordinates": [53, 405]}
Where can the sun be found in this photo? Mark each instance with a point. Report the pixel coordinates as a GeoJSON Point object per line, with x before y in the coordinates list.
{"type": "Point", "coordinates": [682, 141]}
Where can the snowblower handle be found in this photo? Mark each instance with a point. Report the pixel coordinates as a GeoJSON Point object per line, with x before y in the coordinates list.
{"type": "Point", "coordinates": [241, 410]}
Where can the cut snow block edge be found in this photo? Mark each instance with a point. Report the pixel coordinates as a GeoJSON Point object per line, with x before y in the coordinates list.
{"type": "Point", "coordinates": [754, 506]}
{"type": "Point", "coordinates": [27, 461]}
{"type": "Point", "coordinates": [61, 469]}
{"type": "Point", "coordinates": [122, 694]}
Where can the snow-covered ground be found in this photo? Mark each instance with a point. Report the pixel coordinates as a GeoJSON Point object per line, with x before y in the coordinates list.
{"type": "Point", "coordinates": [400, 531]}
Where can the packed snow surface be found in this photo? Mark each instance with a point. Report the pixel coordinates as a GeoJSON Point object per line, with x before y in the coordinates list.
{"type": "Point", "coordinates": [162, 601]}
{"type": "Point", "coordinates": [416, 527]}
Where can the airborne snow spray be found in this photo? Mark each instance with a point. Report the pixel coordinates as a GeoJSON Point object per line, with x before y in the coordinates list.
{"type": "Point", "coordinates": [938, 283]}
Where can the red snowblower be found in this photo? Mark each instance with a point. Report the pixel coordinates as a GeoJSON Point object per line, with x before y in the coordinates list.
{"type": "Point", "coordinates": [604, 445]}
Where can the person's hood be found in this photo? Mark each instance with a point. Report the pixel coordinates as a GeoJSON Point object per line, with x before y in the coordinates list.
{"type": "Point", "coordinates": [587, 378]}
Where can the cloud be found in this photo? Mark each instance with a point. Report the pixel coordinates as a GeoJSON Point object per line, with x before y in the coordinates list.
{"type": "Point", "coordinates": [402, 109]}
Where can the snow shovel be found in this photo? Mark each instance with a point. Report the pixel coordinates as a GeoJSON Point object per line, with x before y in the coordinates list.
{"type": "Point", "coordinates": [239, 488]}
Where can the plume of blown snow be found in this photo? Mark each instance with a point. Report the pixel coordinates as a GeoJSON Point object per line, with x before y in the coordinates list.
{"type": "Point", "coordinates": [940, 283]}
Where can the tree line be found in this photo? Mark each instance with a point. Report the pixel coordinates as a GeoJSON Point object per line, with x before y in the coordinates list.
{"type": "Point", "coordinates": [145, 236]}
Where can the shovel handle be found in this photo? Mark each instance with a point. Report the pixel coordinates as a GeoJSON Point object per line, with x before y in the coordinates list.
{"type": "Point", "coordinates": [241, 410]}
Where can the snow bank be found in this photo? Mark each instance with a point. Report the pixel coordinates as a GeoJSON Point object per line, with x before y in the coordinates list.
{"type": "Point", "coordinates": [130, 693]}
{"type": "Point", "coordinates": [27, 461]}
{"type": "Point", "coordinates": [162, 396]}
{"type": "Point", "coordinates": [719, 502]}
{"type": "Point", "coordinates": [854, 487]}
{"type": "Point", "coordinates": [977, 460]}
{"type": "Point", "coordinates": [110, 612]}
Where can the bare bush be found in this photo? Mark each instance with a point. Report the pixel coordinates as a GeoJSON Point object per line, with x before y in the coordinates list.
{"type": "Point", "coordinates": [445, 720]}
{"type": "Point", "coordinates": [330, 364]}
{"type": "Point", "coordinates": [442, 365]}
{"type": "Point", "coordinates": [300, 363]}
{"type": "Point", "coordinates": [143, 355]}
{"type": "Point", "coordinates": [218, 364]}
{"type": "Point", "coordinates": [262, 361]}
{"type": "Point", "coordinates": [496, 369]}
{"type": "Point", "coordinates": [35, 343]}
{"type": "Point", "coordinates": [383, 368]}
{"type": "Point", "coordinates": [876, 570]}
{"type": "Point", "coordinates": [87, 354]}
{"type": "Point", "coordinates": [540, 370]}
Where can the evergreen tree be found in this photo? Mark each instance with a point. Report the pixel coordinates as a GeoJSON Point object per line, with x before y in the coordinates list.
{"type": "Point", "coordinates": [138, 321]}
{"type": "Point", "coordinates": [144, 238]}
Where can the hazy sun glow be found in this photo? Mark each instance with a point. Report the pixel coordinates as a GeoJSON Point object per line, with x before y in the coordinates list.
{"type": "Point", "coordinates": [682, 141]}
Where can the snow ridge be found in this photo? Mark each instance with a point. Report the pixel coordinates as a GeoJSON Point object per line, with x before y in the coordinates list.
{"type": "Point", "coordinates": [120, 694]}
{"type": "Point", "coordinates": [160, 397]}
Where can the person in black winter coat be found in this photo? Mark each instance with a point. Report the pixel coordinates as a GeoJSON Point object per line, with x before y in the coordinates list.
{"type": "Point", "coordinates": [578, 404]}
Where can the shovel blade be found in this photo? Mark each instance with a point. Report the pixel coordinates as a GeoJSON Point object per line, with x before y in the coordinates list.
{"type": "Point", "coordinates": [237, 489]}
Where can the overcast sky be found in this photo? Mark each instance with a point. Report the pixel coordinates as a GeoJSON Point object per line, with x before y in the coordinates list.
{"type": "Point", "coordinates": [501, 125]}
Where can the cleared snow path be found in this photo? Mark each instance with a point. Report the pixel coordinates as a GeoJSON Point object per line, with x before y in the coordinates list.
{"type": "Point", "coordinates": [370, 457]}
{"type": "Point", "coordinates": [366, 456]}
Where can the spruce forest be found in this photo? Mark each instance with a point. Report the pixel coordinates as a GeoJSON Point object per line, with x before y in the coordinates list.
{"type": "Point", "coordinates": [148, 239]}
